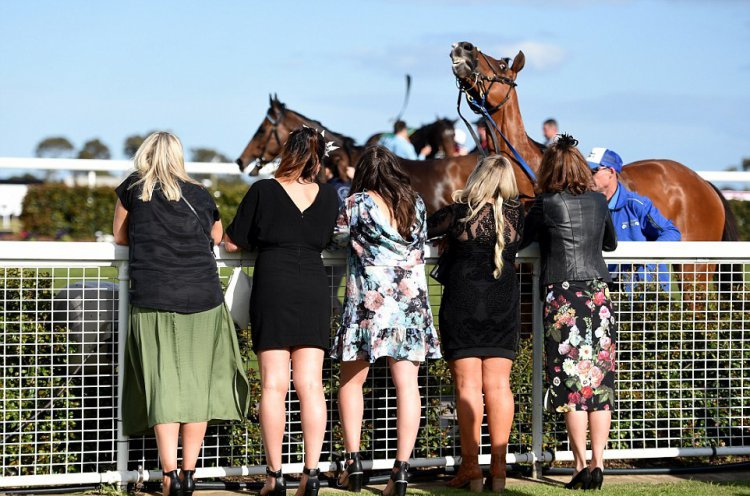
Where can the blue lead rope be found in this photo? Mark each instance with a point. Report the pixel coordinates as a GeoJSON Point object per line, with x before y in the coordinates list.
{"type": "Point", "coordinates": [481, 108]}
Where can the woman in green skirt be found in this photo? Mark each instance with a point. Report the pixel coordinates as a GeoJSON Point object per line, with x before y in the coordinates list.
{"type": "Point", "coordinates": [182, 362]}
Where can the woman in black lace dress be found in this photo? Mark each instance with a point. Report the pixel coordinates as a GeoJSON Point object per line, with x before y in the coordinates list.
{"type": "Point", "coordinates": [479, 313]}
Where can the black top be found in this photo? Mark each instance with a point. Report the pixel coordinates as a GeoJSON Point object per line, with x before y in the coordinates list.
{"type": "Point", "coordinates": [572, 231]}
{"type": "Point", "coordinates": [290, 303]}
{"type": "Point", "coordinates": [479, 315]}
{"type": "Point", "coordinates": [171, 264]}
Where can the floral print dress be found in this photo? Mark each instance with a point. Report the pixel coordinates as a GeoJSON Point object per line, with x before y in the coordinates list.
{"type": "Point", "coordinates": [580, 334]}
{"type": "Point", "coordinates": [386, 311]}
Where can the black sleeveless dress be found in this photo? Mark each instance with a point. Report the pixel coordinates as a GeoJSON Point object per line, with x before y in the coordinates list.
{"type": "Point", "coordinates": [479, 315]}
{"type": "Point", "coordinates": [290, 303]}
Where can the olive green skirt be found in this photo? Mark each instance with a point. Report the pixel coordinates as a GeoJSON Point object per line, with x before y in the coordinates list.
{"type": "Point", "coordinates": [182, 368]}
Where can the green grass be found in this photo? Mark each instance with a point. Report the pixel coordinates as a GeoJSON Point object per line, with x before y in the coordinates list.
{"type": "Point", "coordinates": [691, 488]}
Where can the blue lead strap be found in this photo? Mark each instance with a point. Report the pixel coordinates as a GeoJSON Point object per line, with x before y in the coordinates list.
{"type": "Point", "coordinates": [515, 153]}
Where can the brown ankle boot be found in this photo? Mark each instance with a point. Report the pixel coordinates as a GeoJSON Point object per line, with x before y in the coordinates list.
{"type": "Point", "coordinates": [469, 474]}
{"type": "Point", "coordinates": [496, 480]}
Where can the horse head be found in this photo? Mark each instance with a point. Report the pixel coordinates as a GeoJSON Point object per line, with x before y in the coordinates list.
{"type": "Point", "coordinates": [267, 141]}
{"type": "Point", "coordinates": [486, 80]}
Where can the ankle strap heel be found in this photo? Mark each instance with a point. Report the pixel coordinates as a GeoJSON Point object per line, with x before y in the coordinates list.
{"type": "Point", "coordinates": [279, 488]}
{"type": "Point", "coordinates": [400, 478]}
{"type": "Point", "coordinates": [351, 474]}
{"type": "Point", "coordinates": [312, 486]}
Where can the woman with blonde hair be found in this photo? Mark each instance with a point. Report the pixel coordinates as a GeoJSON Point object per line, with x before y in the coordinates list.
{"type": "Point", "coordinates": [182, 362]}
{"type": "Point", "coordinates": [479, 313]}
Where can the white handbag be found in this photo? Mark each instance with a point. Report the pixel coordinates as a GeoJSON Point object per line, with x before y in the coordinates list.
{"type": "Point", "coordinates": [237, 297]}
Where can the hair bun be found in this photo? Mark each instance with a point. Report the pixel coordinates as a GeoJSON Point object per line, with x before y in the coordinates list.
{"type": "Point", "coordinates": [566, 141]}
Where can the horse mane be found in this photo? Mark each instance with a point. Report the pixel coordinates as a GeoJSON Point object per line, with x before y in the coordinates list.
{"type": "Point", "coordinates": [345, 140]}
{"type": "Point", "coordinates": [542, 147]}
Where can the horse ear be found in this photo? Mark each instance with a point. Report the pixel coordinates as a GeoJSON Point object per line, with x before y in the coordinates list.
{"type": "Point", "coordinates": [270, 100]}
{"type": "Point", "coordinates": [518, 62]}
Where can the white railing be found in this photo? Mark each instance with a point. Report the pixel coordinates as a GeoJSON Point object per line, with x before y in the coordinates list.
{"type": "Point", "coordinates": [683, 381]}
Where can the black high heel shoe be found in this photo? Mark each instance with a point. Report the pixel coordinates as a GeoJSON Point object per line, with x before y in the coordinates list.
{"type": "Point", "coordinates": [582, 480]}
{"type": "Point", "coordinates": [312, 486]}
{"type": "Point", "coordinates": [279, 488]}
{"type": "Point", "coordinates": [597, 478]}
{"type": "Point", "coordinates": [175, 484]}
{"type": "Point", "coordinates": [400, 479]}
{"type": "Point", "coordinates": [352, 475]}
{"type": "Point", "coordinates": [188, 484]}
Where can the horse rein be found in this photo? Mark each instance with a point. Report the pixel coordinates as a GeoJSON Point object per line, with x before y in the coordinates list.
{"type": "Point", "coordinates": [274, 133]}
{"type": "Point", "coordinates": [481, 108]}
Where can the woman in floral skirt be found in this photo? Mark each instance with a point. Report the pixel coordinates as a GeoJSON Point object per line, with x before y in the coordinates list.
{"type": "Point", "coordinates": [573, 226]}
{"type": "Point", "coordinates": [386, 312]}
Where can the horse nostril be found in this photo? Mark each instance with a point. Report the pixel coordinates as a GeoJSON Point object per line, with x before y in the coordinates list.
{"type": "Point", "coordinates": [239, 162]}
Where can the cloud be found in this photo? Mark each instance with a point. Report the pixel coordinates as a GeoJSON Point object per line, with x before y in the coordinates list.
{"type": "Point", "coordinates": [540, 56]}
{"type": "Point", "coordinates": [429, 55]}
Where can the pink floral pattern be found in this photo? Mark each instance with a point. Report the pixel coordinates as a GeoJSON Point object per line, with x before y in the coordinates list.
{"type": "Point", "coordinates": [386, 311]}
{"type": "Point", "coordinates": [580, 330]}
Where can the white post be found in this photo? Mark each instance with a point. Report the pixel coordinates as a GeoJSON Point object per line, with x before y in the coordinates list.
{"type": "Point", "coordinates": [537, 382]}
{"type": "Point", "coordinates": [123, 309]}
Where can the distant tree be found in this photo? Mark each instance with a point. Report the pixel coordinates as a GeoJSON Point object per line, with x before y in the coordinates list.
{"type": "Point", "coordinates": [207, 155]}
{"type": "Point", "coordinates": [746, 164]}
{"type": "Point", "coordinates": [132, 143]}
{"type": "Point", "coordinates": [54, 147]}
{"type": "Point", "coordinates": [94, 148]}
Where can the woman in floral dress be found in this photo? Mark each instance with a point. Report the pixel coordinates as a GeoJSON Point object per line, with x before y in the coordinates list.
{"type": "Point", "coordinates": [386, 311]}
{"type": "Point", "coordinates": [573, 226]}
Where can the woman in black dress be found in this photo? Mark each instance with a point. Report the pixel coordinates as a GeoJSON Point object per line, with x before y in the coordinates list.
{"type": "Point", "coordinates": [573, 226]}
{"type": "Point", "coordinates": [290, 220]}
{"type": "Point", "coordinates": [479, 313]}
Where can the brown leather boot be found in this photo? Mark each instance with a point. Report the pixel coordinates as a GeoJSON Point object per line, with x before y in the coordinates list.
{"type": "Point", "coordinates": [469, 474]}
{"type": "Point", "coordinates": [496, 480]}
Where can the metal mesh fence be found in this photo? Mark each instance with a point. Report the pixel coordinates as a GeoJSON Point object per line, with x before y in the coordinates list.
{"type": "Point", "coordinates": [682, 381]}
{"type": "Point", "coordinates": [58, 385]}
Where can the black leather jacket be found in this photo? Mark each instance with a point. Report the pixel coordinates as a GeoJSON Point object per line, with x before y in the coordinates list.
{"type": "Point", "coordinates": [572, 231]}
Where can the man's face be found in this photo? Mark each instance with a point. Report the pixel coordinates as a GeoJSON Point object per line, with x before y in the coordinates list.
{"type": "Point", "coordinates": [605, 178]}
{"type": "Point", "coordinates": [549, 131]}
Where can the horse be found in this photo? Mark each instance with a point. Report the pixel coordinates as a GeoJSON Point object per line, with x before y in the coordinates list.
{"type": "Point", "coordinates": [265, 145]}
{"type": "Point", "coordinates": [692, 203]}
{"type": "Point", "coordinates": [435, 180]}
{"type": "Point", "coordinates": [439, 135]}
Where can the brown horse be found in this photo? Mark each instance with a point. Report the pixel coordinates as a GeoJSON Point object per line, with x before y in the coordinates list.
{"type": "Point", "coordinates": [435, 180]}
{"type": "Point", "coordinates": [439, 135]}
{"type": "Point", "coordinates": [693, 204]}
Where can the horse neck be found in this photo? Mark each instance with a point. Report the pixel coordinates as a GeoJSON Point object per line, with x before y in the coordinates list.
{"type": "Point", "coordinates": [508, 119]}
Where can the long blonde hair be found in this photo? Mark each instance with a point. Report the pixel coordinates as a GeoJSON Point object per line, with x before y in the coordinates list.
{"type": "Point", "coordinates": [159, 161]}
{"type": "Point", "coordinates": [492, 180]}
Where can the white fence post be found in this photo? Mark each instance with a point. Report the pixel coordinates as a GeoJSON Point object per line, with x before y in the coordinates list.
{"type": "Point", "coordinates": [123, 311]}
{"type": "Point", "coordinates": [537, 378]}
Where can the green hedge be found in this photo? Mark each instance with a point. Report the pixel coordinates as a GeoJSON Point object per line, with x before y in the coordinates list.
{"type": "Point", "coordinates": [741, 211]}
{"type": "Point", "coordinates": [76, 213]}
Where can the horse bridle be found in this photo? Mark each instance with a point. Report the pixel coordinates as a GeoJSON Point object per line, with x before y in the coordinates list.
{"type": "Point", "coordinates": [480, 80]}
{"type": "Point", "coordinates": [273, 134]}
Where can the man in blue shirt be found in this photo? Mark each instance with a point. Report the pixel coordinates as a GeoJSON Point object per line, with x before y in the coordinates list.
{"type": "Point", "coordinates": [634, 216]}
{"type": "Point", "coordinates": [399, 143]}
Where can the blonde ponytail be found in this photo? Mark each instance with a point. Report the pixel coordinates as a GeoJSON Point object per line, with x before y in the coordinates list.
{"type": "Point", "coordinates": [491, 181]}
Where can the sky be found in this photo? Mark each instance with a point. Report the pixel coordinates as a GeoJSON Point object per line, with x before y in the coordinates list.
{"type": "Point", "coordinates": [649, 79]}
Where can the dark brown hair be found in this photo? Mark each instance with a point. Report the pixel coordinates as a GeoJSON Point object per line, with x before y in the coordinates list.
{"type": "Point", "coordinates": [563, 168]}
{"type": "Point", "coordinates": [378, 170]}
{"type": "Point", "coordinates": [302, 155]}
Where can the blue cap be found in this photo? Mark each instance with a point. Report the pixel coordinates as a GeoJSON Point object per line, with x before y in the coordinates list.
{"type": "Point", "coordinates": [604, 157]}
